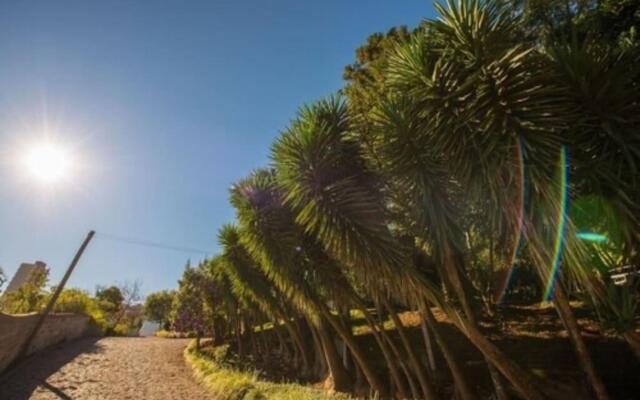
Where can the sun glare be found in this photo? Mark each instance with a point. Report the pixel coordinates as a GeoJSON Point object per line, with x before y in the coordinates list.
{"type": "Point", "coordinates": [48, 162]}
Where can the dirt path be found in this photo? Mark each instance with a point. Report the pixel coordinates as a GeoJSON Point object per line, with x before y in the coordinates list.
{"type": "Point", "coordinates": [108, 368]}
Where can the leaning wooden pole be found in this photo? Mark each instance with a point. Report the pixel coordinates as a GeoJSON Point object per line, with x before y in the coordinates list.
{"type": "Point", "coordinates": [52, 301]}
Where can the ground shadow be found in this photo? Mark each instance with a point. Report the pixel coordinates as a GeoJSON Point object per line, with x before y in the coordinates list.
{"type": "Point", "coordinates": [29, 374]}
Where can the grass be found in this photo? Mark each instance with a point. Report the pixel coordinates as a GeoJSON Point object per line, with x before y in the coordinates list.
{"type": "Point", "coordinates": [174, 334]}
{"type": "Point", "coordinates": [227, 383]}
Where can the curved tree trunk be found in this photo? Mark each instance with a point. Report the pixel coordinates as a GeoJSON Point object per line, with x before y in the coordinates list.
{"type": "Point", "coordinates": [339, 375]}
{"type": "Point", "coordinates": [409, 376]}
{"type": "Point", "coordinates": [527, 384]}
{"type": "Point", "coordinates": [299, 344]}
{"type": "Point", "coordinates": [459, 379]}
{"type": "Point", "coordinates": [524, 382]}
{"type": "Point", "coordinates": [391, 362]}
{"type": "Point", "coordinates": [263, 340]}
{"type": "Point", "coordinates": [633, 340]}
{"type": "Point", "coordinates": [428, 345]}
{"type": "Point", "coordinates": [563, 308]}
{"type": "Point", "coordinates": [454, 261]}
{"type": "Point", "coordinates": [401, 359]}
{"type": "Point", "coordinates": [320, 361]}
{"type": "Point", "coordinates": [239, 337]}
{"type": "Point", "coordinates": [427, 388]}
{"type": "Point", "coordinates": [252, 339]}
{"type": "Point", "coordinates": [346, 335]}
{"type": "Point", "coordinates": [284, 347]}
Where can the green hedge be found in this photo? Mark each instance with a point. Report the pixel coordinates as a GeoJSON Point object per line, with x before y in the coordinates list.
{"type": "Point", "coordinates": [230, 384]}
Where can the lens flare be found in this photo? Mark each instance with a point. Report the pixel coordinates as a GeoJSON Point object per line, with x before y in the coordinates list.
{"type": "Point", "coordinates": [522, 202]}
{"type": "Point", "coordinates": [561, 221]}
{"type": "Point", "coordinates": [592, 237]}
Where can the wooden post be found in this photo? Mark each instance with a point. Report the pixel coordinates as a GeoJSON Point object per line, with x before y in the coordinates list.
{"type": "Point", "coordinates": [52, 301]}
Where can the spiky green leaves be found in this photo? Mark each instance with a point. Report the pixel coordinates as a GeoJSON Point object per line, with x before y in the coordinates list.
{"type": "Point", "coordinates": [246, 278]}
{"type": "Point", "coordinates": [274, 241]}
{"type": "Point", "coordinates": [334, 197]}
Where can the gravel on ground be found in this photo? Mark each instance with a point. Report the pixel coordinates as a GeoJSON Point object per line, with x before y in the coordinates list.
{"type": "Point", "coordinates": [107, 368]}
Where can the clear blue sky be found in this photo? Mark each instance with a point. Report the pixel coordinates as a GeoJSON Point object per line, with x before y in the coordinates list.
{"type": "Point", "coordinates": [165, 104]}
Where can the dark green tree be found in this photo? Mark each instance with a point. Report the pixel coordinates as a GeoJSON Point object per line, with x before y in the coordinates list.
{"type": "Point", "coordinates": [157, 307]}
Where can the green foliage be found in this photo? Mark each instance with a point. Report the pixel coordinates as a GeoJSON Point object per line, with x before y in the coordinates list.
{"type": "Point", "coordinates": [247, 281]}
{"type": "Point", "coordinates": [110, 299]}
{"type": "Point", "coordinates": [619, 309]}
{"type": "Point", "coordinates": [30, 297]}
{"type": "Point", "coordinates": [209, 368]}
{"type": "Point", "coordinates": [157, 307]}
{"type": "Point", "coordinates": [333, 196]}
{"type": "Point", "coordinates": [80, 302]}
{"type": "Point", "coordinates": [462, 162]}
{"type": "Point", "coordinates": [189, 307]}
{"type": "Point", "coordinates": [119, 306]}
{"type": "Point", "coordinates": [614, 21]}
{"type": "Point", "coordinates": [174, 335]}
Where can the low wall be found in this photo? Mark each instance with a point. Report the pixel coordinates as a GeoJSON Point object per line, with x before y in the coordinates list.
{"type": "Point", "coordinates": [57, 328]}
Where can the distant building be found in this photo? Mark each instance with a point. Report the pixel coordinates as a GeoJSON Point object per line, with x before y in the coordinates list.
{"type": "Point", "coordinates": [23, 275]}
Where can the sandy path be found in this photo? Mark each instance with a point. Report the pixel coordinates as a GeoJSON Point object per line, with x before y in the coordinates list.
{"type": "Point", "coordinates": [108, 368]}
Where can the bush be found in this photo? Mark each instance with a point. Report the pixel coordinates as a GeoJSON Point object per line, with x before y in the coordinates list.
{"type": "Point", "coordinates": [209, 366]}
{"type": "Point", "coordinates": [80, 302]}
{"type": "Point", "coordinates": [175, 334]}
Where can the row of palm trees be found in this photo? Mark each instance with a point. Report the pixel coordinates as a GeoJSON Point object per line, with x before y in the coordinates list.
{"type": "Point", "coordinates": [481, 152]}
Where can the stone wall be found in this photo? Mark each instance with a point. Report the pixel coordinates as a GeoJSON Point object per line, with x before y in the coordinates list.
{"type": "Point", "coordinates": [57, 328]}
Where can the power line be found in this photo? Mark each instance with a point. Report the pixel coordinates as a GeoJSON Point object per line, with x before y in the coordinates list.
{"type": "Point", "coordinates": [145, 243]}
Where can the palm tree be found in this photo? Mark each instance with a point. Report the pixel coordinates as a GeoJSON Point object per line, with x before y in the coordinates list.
{"type": "Point", "coordinates": [340, 203]}
{"type": "Point", "coordinates": [472, 92]}
{"type": "Point", "coordinates": [472, 134]}
{"type": "Point", "coordinates": [247, 280]}
{"type": "Point", "coordinates": [276, 243]}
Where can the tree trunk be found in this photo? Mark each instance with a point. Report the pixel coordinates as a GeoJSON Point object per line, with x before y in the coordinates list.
{"type": "Point", "coordinates": [339, 375]}
{"type": "Point", "coordinates": [459, 379]}
{"type": "Point", "coordinates": [528, 385]}
{"type": "Point", "coordinates": [524, 382]}
{"type": "Point", "coordinates": [633, 340]}
{"type": "Point", "coordinates": [427, 388]}
{"type": "Point", "coordinates": [252, 339]}
{"type": "Point", "coordinates": [239, 338]}
{"type": "Point", "coordinates": [391, 363]}
{"type": "Point", "coordinates": [283, 347]}
{"type": "Point", "coordinates": [428, 346]}
{"type": "Point", "coordinates": [346, 356]}
{"type": "Point", "coordinates": [358, 354]}
{"type": "Point", "coordinates": [563, 308]}
{"type": "Point", "coordinates": [401, 359]}
{"type": "Point", "coordinates": [409, 377]}
{"type": "Point", "coordinates": [299, 343]}
{"type": "Point", "coordinates": [453, 263]}
{"type": "Point", "coordinates": [320, 361]}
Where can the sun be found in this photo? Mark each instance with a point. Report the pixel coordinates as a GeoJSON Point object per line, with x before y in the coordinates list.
{"type": "Point", "coordinates": [48, 162]}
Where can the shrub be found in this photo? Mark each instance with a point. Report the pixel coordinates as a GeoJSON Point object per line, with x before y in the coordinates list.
{"type": "Point", "coordinates": [80, 302]}
{"type": "Point", "coordinates": [210, 367]}
{"type": "Point", "coordinates": [175, 334]}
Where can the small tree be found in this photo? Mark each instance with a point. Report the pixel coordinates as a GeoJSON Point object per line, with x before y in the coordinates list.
{"type": "Point", "coordinates": [30, 296]}
{"type": "Point", "coordinates": [110, 300]}
{"type": "Point", "coordinates": [189, 313]}
{"type": "Point", "coordinates": [131, 296]}
{"type": "Point", "coordinates": [80, 302]}
{"type": "Point", "coordinates": [157, 307]}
